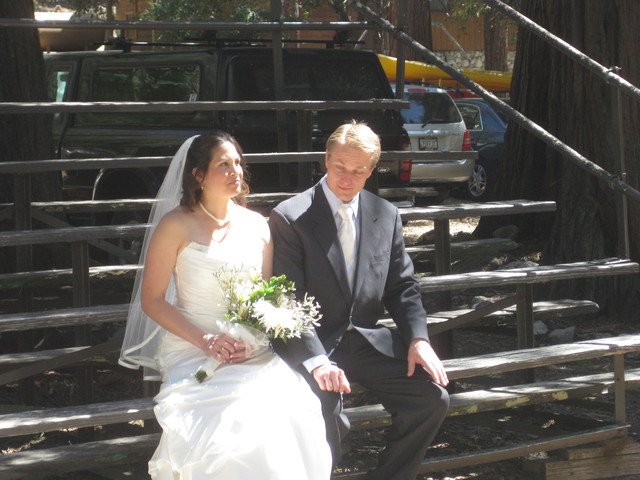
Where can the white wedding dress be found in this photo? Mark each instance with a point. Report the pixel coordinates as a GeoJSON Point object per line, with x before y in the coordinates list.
{"type": "Point", "coordinates": [257, 420]}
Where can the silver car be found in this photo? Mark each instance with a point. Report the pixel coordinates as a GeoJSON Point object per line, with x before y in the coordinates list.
{"type": "Point", "coordinates": [434, 123]}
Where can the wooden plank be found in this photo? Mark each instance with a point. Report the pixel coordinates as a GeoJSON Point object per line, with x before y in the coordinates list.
{"type": "Point", "coordinates": [504, 453]}
{"type": "Point", "coordinates": [205, 106]}
{"type": "Point", "coordinates": [28, 357]}
{"type": "Point", "coordinates": [138, 449]}
{"type": "Point", "coordinates": [497, 398]}
{"type": "Point", "coordinates": [622, 446]}
{"type": "Point", "coordinates": [63, 360]}
{"type": "Point", "coordinates": [464, 210]}
{"type": "Point", "coordinates": [134, 204]}
{"type": "Point", "coordinates": [363, 417]}
{"type": "Point", "coordinates": [524, 448]}
{"type": "Point", "coordinates": [64, 317]}
{"type": "Point", "coordinates": [115, 231]}
{"type": "Point", "coordinates": [48, 278]}
{"type": "Point", "coordinates": [470, 247]}
{"type": "Point", "coordinates": [501, 362]}
{"type": "Point", "coordinates": [71, 234]}
{"type": "Point", "coordinates": [563, 308]}
{"type": "Point", "coordinates": [408, 191]}
{"type": "Point", "coordinates": [529, 275]}
{"type": "Point", "coordinates": [615, 458]}
{"type": "Point", "coordinates": [84, 456]}
{"type": "Point", "coordinates": [78, 416]}
{"type": "Point", "coordinates": [472, 317]}
{"type": "Point", "coordinates": [57, 277]}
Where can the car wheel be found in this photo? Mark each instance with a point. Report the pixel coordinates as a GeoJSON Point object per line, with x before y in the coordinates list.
{"type": "Point", "coordinates": [480, 184]}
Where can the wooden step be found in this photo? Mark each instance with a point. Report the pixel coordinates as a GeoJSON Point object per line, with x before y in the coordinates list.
{"type": "Point", "coordinates": [92, 455]}
{"type": "Point", "coordinates": [420, 253]}
{"type": "Point", "coordinates": [616, 457]}
{"type": "Point", "coordinates": [141, 409]}
{"type": "Point", "coordinates": [566, 308]}
{"type": "Point", "coordinates": [544, 310]}
{"type": "Point", "coordinates": [9, 359]}
{"type": "Point", "coordinates": [528, 275]}
{"type": "Point", "coordinates": [83, 456]}
{"type": "Point", "coordinates": [467, 209]}
{"type": "Point", "coordinates": [139, 448]}
{"type": "Point", "coordinates": [64, 317]}
{"type": "Point", "coordinates": [64, 276]}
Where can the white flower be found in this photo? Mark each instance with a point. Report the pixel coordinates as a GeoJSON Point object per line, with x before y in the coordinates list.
{"type": "Point", "coordinates": [274, 318]}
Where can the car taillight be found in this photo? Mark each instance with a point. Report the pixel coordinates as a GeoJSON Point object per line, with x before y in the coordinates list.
{"type": "Point", "coordinates": [405, 170]}
{"type": "Point", "coordinates": [466, 141]}
{"type": "Point", "coordinates": [405, 165]}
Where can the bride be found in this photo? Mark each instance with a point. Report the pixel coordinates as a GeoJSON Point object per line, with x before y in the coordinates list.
{"type": "Point", "coordinates": [252, 417]}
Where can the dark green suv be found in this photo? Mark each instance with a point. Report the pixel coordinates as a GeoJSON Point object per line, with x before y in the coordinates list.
{"type": "Point", "coordinates": [229, 73]}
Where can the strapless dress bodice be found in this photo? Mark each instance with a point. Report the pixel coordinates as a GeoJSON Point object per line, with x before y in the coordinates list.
{"type": "Point", "coordinates": [197, 286]}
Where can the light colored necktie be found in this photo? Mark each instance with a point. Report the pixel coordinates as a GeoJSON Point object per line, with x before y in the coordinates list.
{"type": "Point", "coordinates": [347, 237]}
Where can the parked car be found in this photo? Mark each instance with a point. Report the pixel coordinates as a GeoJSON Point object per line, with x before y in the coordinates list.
{"type": "Point", "coordinates": [487, 127]}
{"type": "Point", "coordinates": [215, 74]}
{"type": "Point", "coordinates": [434, 123]}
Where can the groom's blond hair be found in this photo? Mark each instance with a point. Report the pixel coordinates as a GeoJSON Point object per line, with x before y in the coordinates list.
{"type": "Point", "coordinates": [357, 135]}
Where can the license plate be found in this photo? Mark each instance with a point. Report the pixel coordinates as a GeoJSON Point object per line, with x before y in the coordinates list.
{"type": "Point", "coordinates": [429, 143]}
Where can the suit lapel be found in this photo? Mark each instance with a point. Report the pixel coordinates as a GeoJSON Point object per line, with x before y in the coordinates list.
{"type": "Point", "coordinates": [370, 231]}
{"type": "Point", "coordinates": [326, 234]}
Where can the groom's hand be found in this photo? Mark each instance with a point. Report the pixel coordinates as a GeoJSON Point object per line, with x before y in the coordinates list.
{"type": "Point", "coordinates": [330, 378]}
{"type": "Point", "coordinates": [421, 353]}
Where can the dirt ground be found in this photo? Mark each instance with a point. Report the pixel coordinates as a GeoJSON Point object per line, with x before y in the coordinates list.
{"type": "Point", "coordinates": [462, 434]}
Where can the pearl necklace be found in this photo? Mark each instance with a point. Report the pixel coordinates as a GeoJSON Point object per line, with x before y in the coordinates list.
{"type": "Point", "coordinates": [221, 223]}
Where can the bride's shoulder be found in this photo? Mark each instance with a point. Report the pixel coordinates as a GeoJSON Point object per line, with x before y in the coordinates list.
{"type": "Point", "coordinates": [179, 219]}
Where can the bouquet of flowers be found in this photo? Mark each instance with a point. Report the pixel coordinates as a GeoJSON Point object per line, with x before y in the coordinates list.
{"type": "Point", "coordinates": [268, 306]}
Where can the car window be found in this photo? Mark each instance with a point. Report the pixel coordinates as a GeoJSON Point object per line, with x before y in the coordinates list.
{"type": "Point", "coordinates": [471, 116]}
{"type": "Point", "coordinates": [57, 85]}
{"type": "Point", "coordinates": [305, 79]}
{"type": "Point", "coordinates": [430, 107]}
{"type": "Point", "coordinates": [176, 83]}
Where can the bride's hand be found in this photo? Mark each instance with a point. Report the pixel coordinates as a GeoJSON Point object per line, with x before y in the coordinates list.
{"type": "Point", "coordinates": [242, 353]}
{"type": "Point", "coordinates": [226, 349]}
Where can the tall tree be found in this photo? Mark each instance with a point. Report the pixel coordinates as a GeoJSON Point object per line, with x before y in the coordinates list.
{"type": "Point", "coordinates": [496, 41]}
{"type": "Point", "coordinates": [495, 30]}
{"type": "Point", "coordinates": [575, 106]}
{"type": "Point", "coordinates": [23, 137]}
{"type": "Point", "coordinates": [419, 19]}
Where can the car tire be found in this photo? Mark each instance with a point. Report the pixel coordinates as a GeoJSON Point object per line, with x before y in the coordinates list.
{"type": "Point", "coordinates": [479, 187]}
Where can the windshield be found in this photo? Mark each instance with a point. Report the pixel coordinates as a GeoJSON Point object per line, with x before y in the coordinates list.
{"type": "Point", "coordinates": [305, 79]}
{"type": "Point", "coordinates": [430, 107]}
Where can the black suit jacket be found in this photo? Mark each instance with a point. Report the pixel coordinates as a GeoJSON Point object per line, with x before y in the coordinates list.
{"type": "Point", "coordinates": [307, 250]}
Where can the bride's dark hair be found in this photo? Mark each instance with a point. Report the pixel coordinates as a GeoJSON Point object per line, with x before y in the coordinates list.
{"type": "Point", "coordinates": [198, 158]}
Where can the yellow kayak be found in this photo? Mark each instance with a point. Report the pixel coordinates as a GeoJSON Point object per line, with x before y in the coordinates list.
{"type": "Point", "coordinates": [492, 80]}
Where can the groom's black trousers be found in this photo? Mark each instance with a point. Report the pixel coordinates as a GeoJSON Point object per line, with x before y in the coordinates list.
{"type": "Point", "coordinates": [416, 404]}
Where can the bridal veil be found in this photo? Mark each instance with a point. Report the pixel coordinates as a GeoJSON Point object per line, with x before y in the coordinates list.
{"type": "Point", "coordinates": [142, 334]}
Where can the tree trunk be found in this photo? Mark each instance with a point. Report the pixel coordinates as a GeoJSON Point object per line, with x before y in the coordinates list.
{"type": "Point", "coordinates": [419, 26]}
{"type": "Point", "coordinates": [23, 137]}
{"type": "Point", "coordinates": [496, 37]}
{"type": "Point", "coordinates": [575, 106]}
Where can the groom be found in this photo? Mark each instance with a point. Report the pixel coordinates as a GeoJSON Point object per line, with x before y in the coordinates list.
{"type": "Point", "coordinates": [344, 246]}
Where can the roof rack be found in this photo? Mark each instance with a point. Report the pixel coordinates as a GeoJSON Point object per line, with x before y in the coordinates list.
{"type": "Point", "coordinates": [124, 44]}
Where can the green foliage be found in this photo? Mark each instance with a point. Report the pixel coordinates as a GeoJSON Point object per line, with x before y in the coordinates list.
{"type": "Point", "coordinates": [249, 11]}
{"type": "Point", "coordinates": [467, 9]}
{"type": "Point", "coordinates": [269, 306]}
